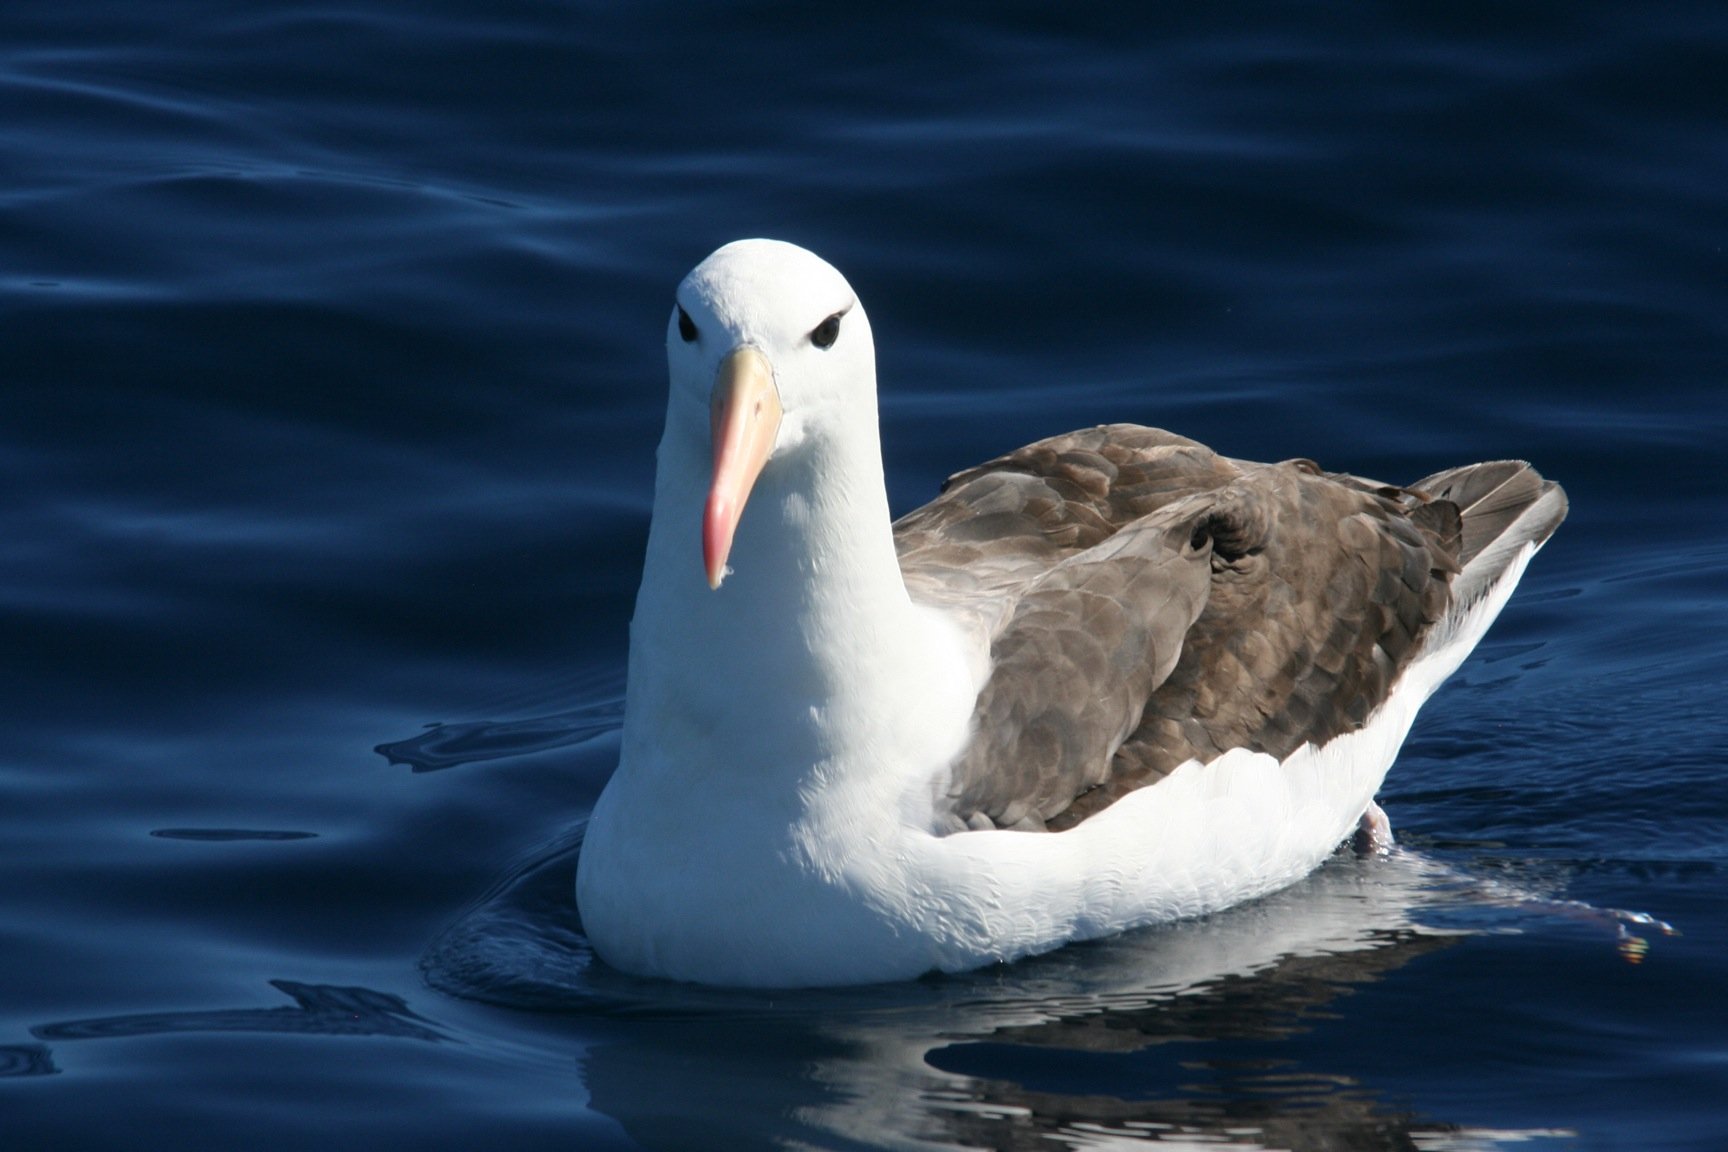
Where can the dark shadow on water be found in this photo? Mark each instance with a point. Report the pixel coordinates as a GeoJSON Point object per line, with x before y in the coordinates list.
{"type": "Point", "coordinates": [224, 835]}
{"type": "Point", "coordinates": [26, 1060]}
{"type": "Point", "coordinates": [318, 1009]}
{"type": "Point", "coordinates": [444, 746]}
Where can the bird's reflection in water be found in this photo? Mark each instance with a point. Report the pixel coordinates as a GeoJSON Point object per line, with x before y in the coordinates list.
{"type": "Point", "coordinates": [1185, 1035]}
{"type": "Point", "coordinates": [1176, 1035]}
{"type": "Point", "coordinates": [1207, 1062]}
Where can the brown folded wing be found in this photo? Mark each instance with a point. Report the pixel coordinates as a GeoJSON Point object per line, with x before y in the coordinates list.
{"type": "Point", "coordinates": [1148, 602]}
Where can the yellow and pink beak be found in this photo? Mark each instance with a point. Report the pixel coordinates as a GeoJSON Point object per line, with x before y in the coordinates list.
{"type": "Point", "coordinates": [744, 417]}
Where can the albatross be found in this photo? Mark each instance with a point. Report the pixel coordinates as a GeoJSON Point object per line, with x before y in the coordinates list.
{"type": "Point", "coordinates": [1107, 680]}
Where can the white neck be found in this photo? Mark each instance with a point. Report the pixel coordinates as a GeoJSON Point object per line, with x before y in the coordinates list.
{"type": "Point", "coordinates": [809, 649]}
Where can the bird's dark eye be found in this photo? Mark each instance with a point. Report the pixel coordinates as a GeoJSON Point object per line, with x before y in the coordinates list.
{"type": "Point", "coordinates": [686, 326]}
{"type": "Point", "coordinates": [827, 332]}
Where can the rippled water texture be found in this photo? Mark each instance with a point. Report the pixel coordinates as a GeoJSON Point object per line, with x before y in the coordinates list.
{"type": "Point", "coordinates": [330, 348]}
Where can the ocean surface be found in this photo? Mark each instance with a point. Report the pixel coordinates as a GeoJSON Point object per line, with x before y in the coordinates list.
{"type": "Point", "coordinates": [331, 371]}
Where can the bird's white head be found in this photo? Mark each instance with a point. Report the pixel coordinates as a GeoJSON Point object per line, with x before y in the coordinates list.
{"type": "Point", "coordinates": [772, 341]}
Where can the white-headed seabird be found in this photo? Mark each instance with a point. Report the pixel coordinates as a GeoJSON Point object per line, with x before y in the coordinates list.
{"type": "Point", "coordinates": [1106, 680]}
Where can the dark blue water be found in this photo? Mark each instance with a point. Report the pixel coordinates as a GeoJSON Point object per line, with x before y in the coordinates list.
{"type": "Point", "coordinates": [330, 374]}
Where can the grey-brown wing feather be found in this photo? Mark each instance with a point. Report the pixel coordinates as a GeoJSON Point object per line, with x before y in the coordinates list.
{"type": "Point", "coordinates": [1322, 589]}
{"type": "Point", "coordinates": [1072, 668]}
{"type": "Point", "coordinates": [1003, 524]}
{"type": "Point", "coordinates": [1148, 602]}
